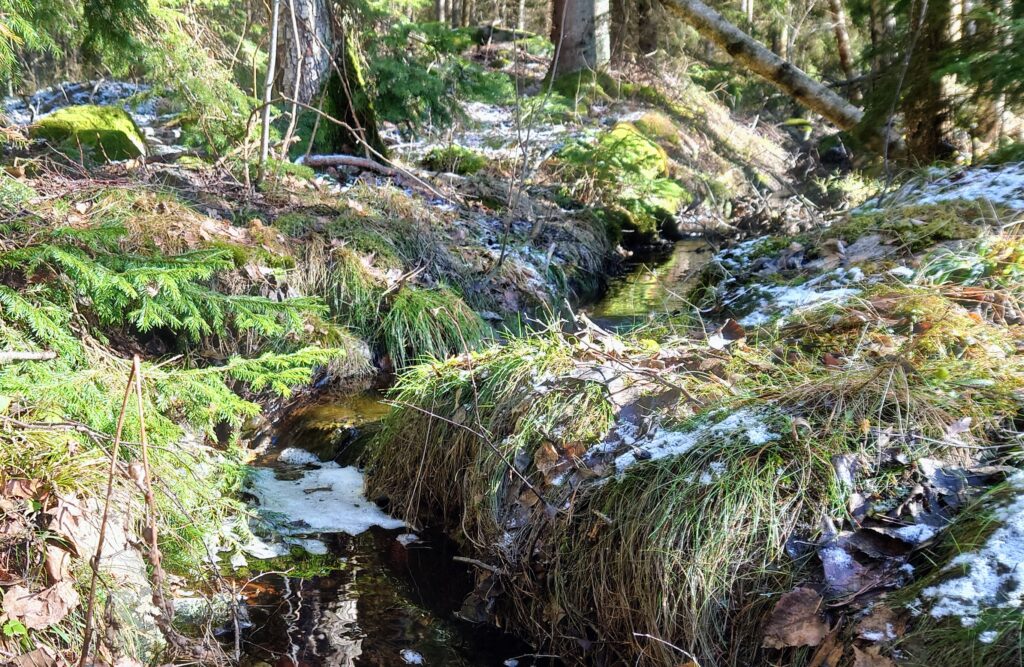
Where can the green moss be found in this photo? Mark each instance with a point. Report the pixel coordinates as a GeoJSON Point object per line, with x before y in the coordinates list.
{"type": "Point", "coordinates": [659, 127]}
{"type": "Point", "coordinates": [628, 175]}
{"type": "Point", "coordinates": [106, 133]}
{"type": "Point", "coordinates": [918, 227]}
{"type": "Point", "coordinates": [296, 223]}
{"type": "Point", "coordinates": [455, 159]}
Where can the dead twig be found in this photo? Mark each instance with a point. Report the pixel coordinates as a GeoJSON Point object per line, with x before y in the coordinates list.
{"type": "Point", "coordinates": [95, 561]}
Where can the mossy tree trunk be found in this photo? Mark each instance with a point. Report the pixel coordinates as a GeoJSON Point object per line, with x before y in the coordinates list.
{"type": "Point", "coordinates": [322, 66]}
{"type": "Point", "coordinates": [580, 31]}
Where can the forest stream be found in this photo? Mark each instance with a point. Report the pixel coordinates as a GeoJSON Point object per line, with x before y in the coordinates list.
{"type": "Point", "coordinates": [387, 595]}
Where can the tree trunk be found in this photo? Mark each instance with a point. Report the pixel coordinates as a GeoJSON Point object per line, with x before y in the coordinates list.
{"type": "Point", "coordinates": [521, 16]}
{"type": "Point", "coordinates": [580, 31]}
{"type": "Point", "coordinates": [842, 37]}
{"type": "Point", "coordinates": [647, 28]}
{"type": "Point", "coordinates": [305, 50]}
{"type": "Point", "coordinates": [924, 103]}
{"type": "Point", "coordinates": [758, 59]}
{"type": "Point", "coordinates": [440, 15]}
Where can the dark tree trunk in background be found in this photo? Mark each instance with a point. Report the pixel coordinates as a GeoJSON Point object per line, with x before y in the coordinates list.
{"type": "Point", "coordinates": [581, 33]}
{"type": "Point", "coordinates": [924, 103]}
{"type": "Point", "coordinates": [324, 66]}
{"type": "Point", "coordinates": [647, 29]}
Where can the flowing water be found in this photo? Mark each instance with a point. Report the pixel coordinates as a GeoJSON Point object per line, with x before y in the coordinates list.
{"type": "Point", "coordinates": [384, 595]}
{"type": "Point", "coordinates": [652, 286]}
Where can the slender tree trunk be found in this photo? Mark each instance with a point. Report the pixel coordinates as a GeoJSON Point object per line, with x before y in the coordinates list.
{"type": "Point", "coordinates": [842, 37]}
{"type": "Point", "coordinates": [758, 59]}
{"type": "Point", "coordinates": [521, 16]}
{"type": "Point", "coordinates": [268, 89]}
{"type": "Point", "coordinates": [440, 15]}
{"type": "Point", "coordinates": [581, 33]}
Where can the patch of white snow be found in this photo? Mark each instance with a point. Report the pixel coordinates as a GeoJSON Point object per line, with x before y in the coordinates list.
{"type": "Point", "coordinates": [327, 500]}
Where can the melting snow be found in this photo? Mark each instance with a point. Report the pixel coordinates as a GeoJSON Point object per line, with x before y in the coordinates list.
{"type": "Point", "coordinates": [988, 636]}
{"type": "Point", "coordinates": [327, 500]}
{"type": "Point", "coordinates": [784, 300]}
{"type": "Point", "coordinates": [411, 657]}
{"type": "Point", "coordinates": [1000, 184]}
{"type": "Point", "coordinates": [663, 443]}
{"type": "Point", "coordinates": [992, 578]}
{"type": "Point", "coordinates": [297, 457]}
{"type": "Point", "coordinates": [916, 534]}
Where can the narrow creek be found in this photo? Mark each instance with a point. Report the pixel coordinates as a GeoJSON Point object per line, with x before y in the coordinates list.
{"type": "Point", "coordinates": [334, 581]}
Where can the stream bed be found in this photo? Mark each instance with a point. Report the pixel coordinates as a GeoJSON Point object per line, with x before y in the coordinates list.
{"type": "Point", "coordinates": [337, 582]}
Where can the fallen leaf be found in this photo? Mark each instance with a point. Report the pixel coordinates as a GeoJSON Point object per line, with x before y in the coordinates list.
{"type": "Point", "coordinates": [40, 610]}
{"type": "Point", "coordinates": [882, 624]}
{"type": "Point", "coordinates": [795, 620]}
{"type": "Point", "coordinates": [57, 563]}
{"type": "Point", "coordinates": [870, 657]}
{"type": "Point", "coordinates": [24, 488]}
{"type": "Point", "coordinates": [68, 520]}
{"type": "Point", "coordinates": [41, 657]}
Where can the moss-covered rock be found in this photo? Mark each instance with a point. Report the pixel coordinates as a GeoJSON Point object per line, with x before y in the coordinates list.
{"type": "Point", "coordinates": [455, 159]}
{"type": "Point", "coordinates": [105, 133]}
{"type": "Point", "coordinates": [659, 127]}
{"type": "Point", "coordinates": [626, 147]}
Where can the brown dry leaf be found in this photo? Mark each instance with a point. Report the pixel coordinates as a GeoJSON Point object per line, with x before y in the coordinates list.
{"type": "Point", "coordinates": [795, 620]}
{"type": "Point", "coordinates": [41, 657]}
{"type": "Point", "coordinates": [882, 624]}
{"type": "Point", "coordinates": [68, 520]}
{"type": "Point", "coordinates": [24, 488]}
{"type": "Point", "coordinates": [57, 563]}
{"type": "Point", "coordinates": [870, 657]}
{"type": "Point", "coordinates": [40, 610]}
{"type": "Point", "coordinates": [546, 457]}
{"type": "Point", "coordinates": [830, 653]}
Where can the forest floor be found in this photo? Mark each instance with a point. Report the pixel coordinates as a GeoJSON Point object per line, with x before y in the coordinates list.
{"type": "Point", "coordinates": [810, 457]}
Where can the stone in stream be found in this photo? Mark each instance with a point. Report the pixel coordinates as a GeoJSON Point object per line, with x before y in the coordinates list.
{"type": "Point", "coordinates": [105, 133]}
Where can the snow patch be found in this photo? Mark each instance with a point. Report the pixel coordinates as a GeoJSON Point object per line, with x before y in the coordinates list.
{"type": "Point", "coordinates": [993, 578]}
{"type": "Point", "coordinates": [663, 443]}
{"type": "Point", "coordinates": [785, 300]}
{"type": "Point", "coordinates": [999, 184]}
{"type": "Point", "coordinates": [411, 657]}
{"type": "Point", "coordinates": [327, 500]}
{"type": "Point", "coordinates": [916, 534]}
{"type": "Point", "coordinates": [988, 636]}
{"type": "Point", "coordinates": [297, 457]}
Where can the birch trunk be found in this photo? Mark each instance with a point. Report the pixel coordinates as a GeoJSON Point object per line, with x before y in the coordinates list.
{"type": "Point", "coordinates": [758, 59]}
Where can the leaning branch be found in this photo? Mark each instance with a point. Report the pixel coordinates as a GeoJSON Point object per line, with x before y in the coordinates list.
{"type": "Point", "coordinates": [784, 75]}
{"type": "Point", "coordinates": [340, 160]}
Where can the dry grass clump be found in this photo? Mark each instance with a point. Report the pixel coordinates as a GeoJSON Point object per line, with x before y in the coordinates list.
{"type": "Point", "coordinates": [686, 555]}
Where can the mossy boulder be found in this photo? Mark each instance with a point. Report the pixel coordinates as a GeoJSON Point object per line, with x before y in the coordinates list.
{"type": "Point", "coordinates": [659, 127]}
{"type": "Point", "coordinates": [455, 159]}
{"type": "Point", "coordinates": [627, 148]}
{"type": "Point", "coordinates": [105, 133]}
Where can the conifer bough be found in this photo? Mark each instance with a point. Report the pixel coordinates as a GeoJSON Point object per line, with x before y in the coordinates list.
{"type": "Point", "coordinates": [753, 55]}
